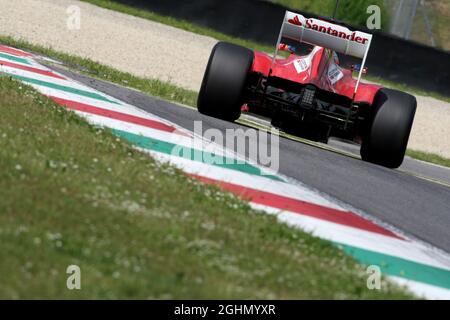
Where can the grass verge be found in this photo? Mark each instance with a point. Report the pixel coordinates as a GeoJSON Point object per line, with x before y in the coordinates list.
{"type": "Point", "coordinates": [429, 157]}
{"type": "Point", "coordinates": [75, 194]}
{"type": "Point", "coordinates": [152, 87]}
{"type": "Point", "coordinates": [191, 27]}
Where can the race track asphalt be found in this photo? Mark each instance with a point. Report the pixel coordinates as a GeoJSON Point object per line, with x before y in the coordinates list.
{"type": "Point", "coordinates": [419, 207]}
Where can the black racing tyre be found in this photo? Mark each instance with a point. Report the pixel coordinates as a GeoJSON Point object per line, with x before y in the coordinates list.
{"type": "Point", "coordinates": [221, 93]}
{"type": "Point", "coordinates": [388, 128]}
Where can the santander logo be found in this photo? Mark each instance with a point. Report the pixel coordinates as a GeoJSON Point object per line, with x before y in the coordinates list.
{"type": "Point", "coordinates": [327, 28]}
{"type": "Point", "coordinates": [296, 21]}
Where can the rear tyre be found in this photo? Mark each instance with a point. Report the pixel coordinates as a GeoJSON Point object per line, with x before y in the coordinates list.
{"type": "Point", "coordinates": [389, 128]}
{"type": "Point", "coordinates": [221, 93]}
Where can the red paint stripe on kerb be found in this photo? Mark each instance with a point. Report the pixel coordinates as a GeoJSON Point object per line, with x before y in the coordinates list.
{"type": "Point", "coordinates": [15, 52]}
{"type": "Point", "coordinates": [346, 218]}
{"type": "Point", "coordinates": [114, 115]}
{"type": "Point", "coordinates": [31, 69]}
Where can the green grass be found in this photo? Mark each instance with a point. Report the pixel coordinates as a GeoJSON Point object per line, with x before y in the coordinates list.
{"type": "Point", "coordinates": [75, 194]}
{"type": "Point", "coordinates": [429, 157]}
{"type": "Point", "coordinates": [438, 13]}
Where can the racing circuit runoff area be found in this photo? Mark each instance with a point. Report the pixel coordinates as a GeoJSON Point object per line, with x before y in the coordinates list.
{"type": "Point", "coordinates": [409, 206]}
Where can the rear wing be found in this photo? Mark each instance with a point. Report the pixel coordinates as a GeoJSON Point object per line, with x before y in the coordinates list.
{"type": "Point", "coordinates": [325, 34]}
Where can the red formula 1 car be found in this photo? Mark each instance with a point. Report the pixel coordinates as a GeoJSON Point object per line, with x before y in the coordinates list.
{"type": "Point", "coordinates": [308, 92]}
